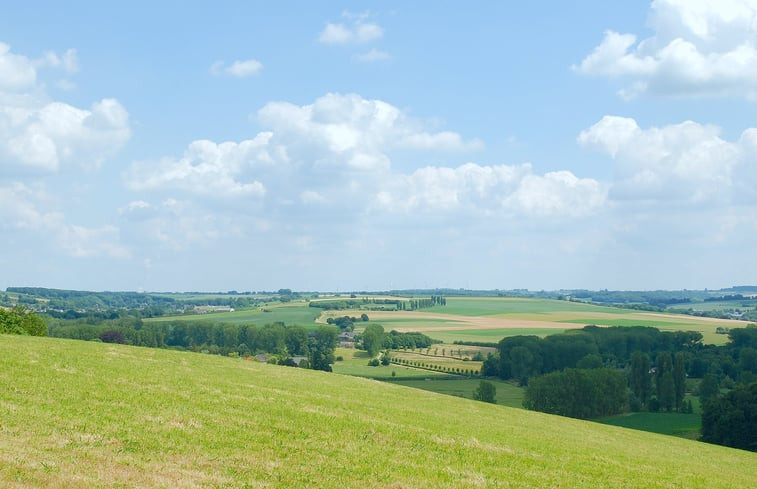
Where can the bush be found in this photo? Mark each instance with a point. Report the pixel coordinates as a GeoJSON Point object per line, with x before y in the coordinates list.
{"type": "Point", "coordinates": [112, 336]}
{"type": "Point", "coordinates": [374, 362]}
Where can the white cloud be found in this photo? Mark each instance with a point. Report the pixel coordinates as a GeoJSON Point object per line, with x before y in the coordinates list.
{"type": "Point", "coordinates": [79, 241]}
{"type": "Point", "coordinates": [372, 55]}
{"type": "Point", "coordinates": [44, 137]}
{"type": "Point", "coordinates": [355, 32]}
{"type": "Point", "coordinates": [220, 170]}
{"type": "Point", "coordinates": [16, 71]}
{"type": "Point", "coordinates": [700, 47]}
{"type": "Point", "coordinates": [352, 132]}
{"type": "Point", "coordinates": [69, 61]}
{"type": "Point", "coordinates": [41, 134]}
{"type": "Point", "coordinates": [686, 162]}
{"type": "Point", "coordinates": [492, 190]}
{"type": "Point", "coordinates": [20, 208]}
{"type": "Point", "coordinates": [24, 207]}
{"type": "Point", "coordinates": [238, 69]}
{"type": "Point", "coordinates": [174, 224]}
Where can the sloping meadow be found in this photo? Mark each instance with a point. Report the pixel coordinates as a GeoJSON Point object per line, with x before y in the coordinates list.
{"type": "Point", "coordinates": [80, 415]}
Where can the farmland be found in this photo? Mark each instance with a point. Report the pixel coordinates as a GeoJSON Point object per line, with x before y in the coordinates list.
{"type": "Point", "coordinates": [479, 319]}
{"type": "Point", "coordinates": [81, 414]}
{"type": "Point", "coordinates": [492, 318]}
{"type": "Point", "coordinates": [295, 313]}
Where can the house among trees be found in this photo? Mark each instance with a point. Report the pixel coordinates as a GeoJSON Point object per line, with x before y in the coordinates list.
{"type": "Point", "coordinates": [347, 339]}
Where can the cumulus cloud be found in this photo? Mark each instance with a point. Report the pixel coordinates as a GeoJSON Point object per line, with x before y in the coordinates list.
{"type": "Point", "coordinates": [40, 134]}
{"type": "Point", "coordinates": [221, 170]}
{"type": "Point", "coordinates": [237, 69]}
{"type": "Point", "coordinates": [493, 190]}
{"type": "Point", "coordinates": [703, 47]}
{"type": "Point", "coordinates": [686, 162]}
{"type": "Point", "coordinates": [325, 153]}
{"type": "Point", "coordinates": [16, 71]}
{"type": "Point", "coordinates": [353, 132]}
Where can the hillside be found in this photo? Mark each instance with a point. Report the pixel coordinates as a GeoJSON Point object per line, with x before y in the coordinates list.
{"type": "Point", "coordinates": [81, 414]}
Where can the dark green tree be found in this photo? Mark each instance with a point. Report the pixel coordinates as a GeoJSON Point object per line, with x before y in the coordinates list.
{"type": "Point", "coordinates": [322, 346]}
{"type": "Point", "coordinates": [679, 379]}
{"type": "Point", "coordinates": [666, 391]}
{"type": "Point", "coordinates": [731, 419]}
{"type": "Point", "coordinates": [373, 339]}
{"type": "Point", "coordinates": [708, 388]}
{"type": "Point", "coordinates": [639, 379]}
{"type": "Point", "coordinates": [577, 393]}
{"type": "Point", "coordinates": [486, 392]}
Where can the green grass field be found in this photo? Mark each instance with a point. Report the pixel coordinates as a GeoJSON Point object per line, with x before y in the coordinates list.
{"type": "Point", "coordinates": [81, 415]}
{"type": "Point", "coordinates": [288, 314]}
{"type": "Point", "coordinates": [459, 319]}
{"type": "Point", "coordinates": [684, 425]}
{"type": "Point", "coordinates": [492, 306]}
{"type": "Point", "coordinates": [356, 363]}
{"type": "Point", "coordinates": [488, 335]}
{"type": "Point", "coordinates": [507, 394]}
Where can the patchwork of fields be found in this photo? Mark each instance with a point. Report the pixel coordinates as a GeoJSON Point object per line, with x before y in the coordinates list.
{"type": "Point", "coordinates": [480, 319]}
{"type": "Point", "coordinates": [489, 319]}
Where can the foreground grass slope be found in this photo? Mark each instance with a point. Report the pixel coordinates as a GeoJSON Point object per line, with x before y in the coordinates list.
{"type": "Point", "coordinates": [76, 415]}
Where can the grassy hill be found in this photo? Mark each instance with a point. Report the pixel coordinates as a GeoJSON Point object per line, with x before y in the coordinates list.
{"type": "Point", "coordinates": [81, 415]}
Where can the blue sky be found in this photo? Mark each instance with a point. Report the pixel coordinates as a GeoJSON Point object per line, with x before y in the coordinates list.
{"type": "Point", "coordinates": [377, 145]}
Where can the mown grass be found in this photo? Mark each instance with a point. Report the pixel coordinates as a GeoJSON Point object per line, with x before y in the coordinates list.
{"type": "Point", "coordinates": [89, 415]}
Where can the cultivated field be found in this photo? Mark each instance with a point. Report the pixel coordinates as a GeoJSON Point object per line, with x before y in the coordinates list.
{"type": "Point", "coordinates": [79, 415]}
{"type": "Point", "coordinates": [294, 313]}
{"type": "Point", "coordinates": [489, 319]}
{"type": "Point", "coordinates": [478, 319]}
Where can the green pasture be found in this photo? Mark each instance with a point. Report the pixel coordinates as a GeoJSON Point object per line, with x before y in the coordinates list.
{"type": "Point", "coordinates": [677, 424]}
{"type": "Point", "coordinates": [507, 394]}
{"type": "Point", "coordinates": [489, 335]}
{"type": "Point", "coordinates": [492, 306]}
{"type": "Point", "coordinates": [717, 305]}
{"type": "Point", "coordinates": [356, 363]}
{"type": "Point", "coordinates": [80, 415]}
{"type": "Point", "coordinates": [285, 313]}
{"type": "Point", "coordinates": [674, 323]}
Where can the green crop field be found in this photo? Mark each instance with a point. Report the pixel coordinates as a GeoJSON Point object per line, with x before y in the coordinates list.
{"type": "Point", "coordinates": [82, 414]}
{"type": "Point", "coordinates": [493, 318]}
{"type": "Point", "coordinates": [288, 314]}
{"type": "Point", "coordinates": [492, 306]}
{"type": "Point", "coordinates": [508, 394]}
{"type": "Point", "coordinates": [678, 424]}
{"type": "Point", "coordinates": [489, 335]}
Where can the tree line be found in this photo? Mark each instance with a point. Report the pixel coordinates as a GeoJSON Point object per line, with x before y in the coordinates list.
{"type": "Point", "coordinates": [375, 303]}
{"type": "Point", "coordinates": [374, 339]}
{"type": "Point", "coordinates": [278, 339]}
